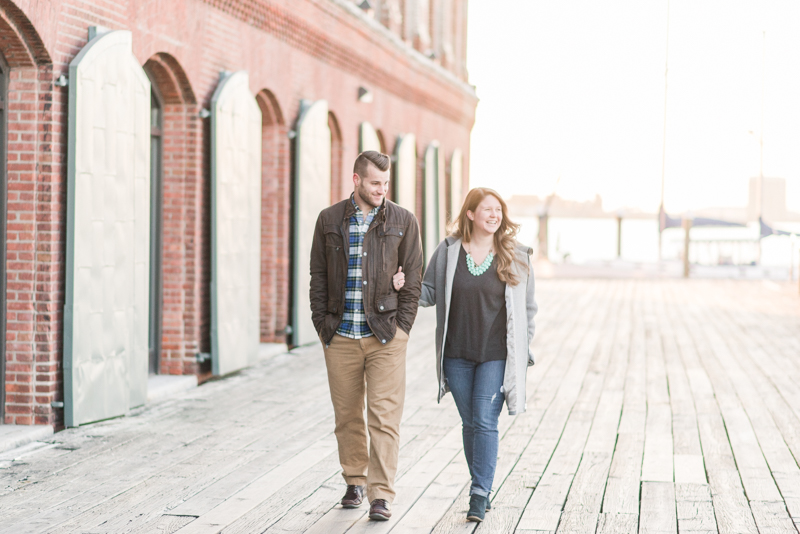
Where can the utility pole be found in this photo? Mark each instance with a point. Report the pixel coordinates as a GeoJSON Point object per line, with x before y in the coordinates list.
{"type": "Point", "coordinates": [661, 211]}
{"type": "Point", "coordinates": [760, 185]}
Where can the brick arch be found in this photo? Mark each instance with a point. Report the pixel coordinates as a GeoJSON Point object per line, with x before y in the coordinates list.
{"type": "Point", "coordinates": [271, 114]}
{"type": "Point", "coordinates": [20, 43]}
{"type": "Point", "coordinates": [275, 219]}
{"type": "Point", "coordinates": [381, 140]}
{"type": "Point", "coordinates": [173, 84]}
{"type": "Point", "coordinates": [340, 188]}
{"type": "Point", "coordinates": [182, 210]}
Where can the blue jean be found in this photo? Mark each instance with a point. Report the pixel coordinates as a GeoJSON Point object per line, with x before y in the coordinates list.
{"type": "Point", "coordinates": [476, 390]}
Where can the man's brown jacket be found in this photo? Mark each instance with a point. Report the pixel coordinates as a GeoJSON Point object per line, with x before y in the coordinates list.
{"type": "Point", "coordinates": [391, 241]}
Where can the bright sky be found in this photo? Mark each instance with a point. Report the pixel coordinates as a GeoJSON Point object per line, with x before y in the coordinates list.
{"type": "Point", "coordinates": [576, 88]}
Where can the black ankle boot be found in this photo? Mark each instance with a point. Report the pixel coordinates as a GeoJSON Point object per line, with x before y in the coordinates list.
{"type": "Point", "coordinates": [477, 508]}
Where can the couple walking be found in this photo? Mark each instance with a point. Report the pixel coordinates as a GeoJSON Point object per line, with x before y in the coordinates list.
{"type": "Point", "coordinates": [481, 282]}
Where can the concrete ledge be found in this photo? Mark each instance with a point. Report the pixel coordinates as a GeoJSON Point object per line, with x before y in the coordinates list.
{"type": "Point", "coordinates": [163, 386]}
{"type": "Point", "coordinates": [13, 436]}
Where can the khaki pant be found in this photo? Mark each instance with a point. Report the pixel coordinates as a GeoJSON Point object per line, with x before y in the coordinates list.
{"type": "Point", "coordinates": [351, 363]}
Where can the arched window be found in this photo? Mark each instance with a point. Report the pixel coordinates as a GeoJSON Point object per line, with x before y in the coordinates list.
{"type": "Point", "coordinates": [275, 220]}
{"type": "Point", "coordinates": [25, 137]}
{"type": "Point", "coordinates": [176, 323]}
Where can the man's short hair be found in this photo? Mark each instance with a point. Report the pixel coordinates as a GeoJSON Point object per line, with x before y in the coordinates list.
{"type": "Point", "coordinates": [363, 161]}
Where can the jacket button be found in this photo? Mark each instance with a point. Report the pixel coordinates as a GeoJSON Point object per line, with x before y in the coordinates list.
{"type": "Point", "coordinates": [383, 341]}
{"type": "Point", "coordinates": [365, 254]}
{"type": "Point", "coordinates": [401, 233]}
{"type": "Point", "coordinates": [381, 308]}
{"type": "Point", "coordinates": [365, 282]}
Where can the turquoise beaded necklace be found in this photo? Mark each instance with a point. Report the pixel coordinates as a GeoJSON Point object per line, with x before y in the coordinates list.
{"type": "Point", "coordinates": [477, 270]}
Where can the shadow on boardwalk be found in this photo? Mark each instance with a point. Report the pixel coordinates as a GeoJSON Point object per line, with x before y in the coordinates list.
{"type": "Point", "coordinates": [654, 406]}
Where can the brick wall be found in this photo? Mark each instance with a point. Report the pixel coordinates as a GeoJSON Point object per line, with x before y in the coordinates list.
{"type": "Point", "coordinates": [275, 220]}
{"type": "Point", "coordinates": [292, 50]}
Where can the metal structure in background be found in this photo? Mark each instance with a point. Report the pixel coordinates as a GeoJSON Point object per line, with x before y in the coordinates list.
{"type": "Point", "coordinates": [235, 224]}
{"type": "Point", "coordinates": [312, 188]}
{"type": "Point", "coordinates": [368, 138]}
{"type": "Point", "coordinates": [430, 201]}
{"type": "Point", "coordinates": [687, 228]}
{"type": "Point", "coordinates": [404, 192]}
{"type": "Point", "coordinates": [108, 231]}
{"type": "Point", "coordinates": [456, 184]}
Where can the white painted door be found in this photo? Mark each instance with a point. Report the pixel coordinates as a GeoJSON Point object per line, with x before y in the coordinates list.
{"type": "Point", "coordinates": [431, 200]}
{"type": "Point", "coordinates": [368, 138]}
{"type": "Point", "coordinates": [312, 194]}
{"type": "Point", "coordinates": [108, 232]}
{"type": "Point", "coordinates": [405, 172]}
{"type": "Point", "coordinates": [235, 224]}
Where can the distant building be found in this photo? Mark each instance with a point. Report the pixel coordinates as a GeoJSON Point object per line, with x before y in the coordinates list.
{"type": "Point", "coordinates": [773, 205]}
{"type": "Point", "coordinates": [533, 206]}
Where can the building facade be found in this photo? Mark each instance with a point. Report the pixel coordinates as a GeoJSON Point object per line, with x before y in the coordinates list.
{"type": "Point", "coordinates": [165, 161]}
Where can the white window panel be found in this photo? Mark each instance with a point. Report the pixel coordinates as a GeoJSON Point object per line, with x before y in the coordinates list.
{"type": "Point", "coordinates": [368, 138]}
{"type": "Point", "coordinates": [312, 194]}
{"type": "Point", "coordinates": [405, 172]}
{"type": "Point", "coordinates": [433, 201]}
{"type": "Point", "coordinates": [108, 232]}
{"type": "Point", "coordinates": [236, 224]}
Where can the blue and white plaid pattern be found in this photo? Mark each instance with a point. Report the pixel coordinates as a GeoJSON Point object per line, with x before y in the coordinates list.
{"type": "Point", "coordinates": [354, 322]}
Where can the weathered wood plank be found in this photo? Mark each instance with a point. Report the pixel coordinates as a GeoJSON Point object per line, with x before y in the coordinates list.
{"type": "Point", "coordinates": [731, 509]}
{"type": "Point", "coordinates": [259, 490]}
{"type": "Point", "coordinates": [543, 511]}
{"type": "Point", "coordinates": [657, 513]}
{"type": "Point", "coordinates": [618, 523]}
{"type": "Point", "coordinates": [637, 383]}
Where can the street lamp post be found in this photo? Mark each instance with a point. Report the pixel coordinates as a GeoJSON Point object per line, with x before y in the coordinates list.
{"type": "Point", "coordinates": [661, 212]}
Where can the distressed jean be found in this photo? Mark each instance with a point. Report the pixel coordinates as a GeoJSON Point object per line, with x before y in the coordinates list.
{"type": "Point", "coordinates": [476, 388]}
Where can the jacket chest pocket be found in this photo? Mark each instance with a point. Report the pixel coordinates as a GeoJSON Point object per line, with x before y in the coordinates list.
{"type": "Point", "coordinates": [334, 251]}
{"type": "Point", "coordinates": [333, 237]}
{"type": "Point", "coordinates": [390, 237]}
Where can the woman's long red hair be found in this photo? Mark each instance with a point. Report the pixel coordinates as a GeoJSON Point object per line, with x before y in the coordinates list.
{"type": "Point", "coordinates": [504, 238]}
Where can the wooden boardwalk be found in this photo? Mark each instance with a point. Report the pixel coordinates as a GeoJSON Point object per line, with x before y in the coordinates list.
{"type": "Point", "coordinates": [655, 406]}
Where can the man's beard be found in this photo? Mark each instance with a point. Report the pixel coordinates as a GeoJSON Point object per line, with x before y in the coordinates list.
{"type": "Point", "coordinates": [366, 197]}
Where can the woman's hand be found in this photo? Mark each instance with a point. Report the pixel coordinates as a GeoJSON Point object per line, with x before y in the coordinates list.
{"type": "Point", "coordinates": [399, 279]}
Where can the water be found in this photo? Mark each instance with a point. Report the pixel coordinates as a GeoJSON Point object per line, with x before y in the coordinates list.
{"type": "Point", "coordinates": [580, 241]}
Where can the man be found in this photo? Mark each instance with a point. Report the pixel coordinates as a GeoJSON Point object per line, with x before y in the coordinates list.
{"type": "Point", "coordinates": [363, 323]}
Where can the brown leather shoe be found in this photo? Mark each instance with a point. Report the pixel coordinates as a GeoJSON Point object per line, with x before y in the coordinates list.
{"type": "Point", "coordinates": [379, 510]}
{"type": "Point", "coordinates": [353, 497]}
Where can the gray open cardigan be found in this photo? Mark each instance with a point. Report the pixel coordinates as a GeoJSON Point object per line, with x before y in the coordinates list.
{"type": "Point", "coordinates": [437, 288]}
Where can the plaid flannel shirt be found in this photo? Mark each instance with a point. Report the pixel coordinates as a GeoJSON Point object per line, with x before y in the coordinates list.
{"type": "Point", "coordinates": [354, 321]}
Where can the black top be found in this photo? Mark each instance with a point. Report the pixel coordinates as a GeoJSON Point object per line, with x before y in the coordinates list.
{"type": "Point", "coordinates": [476, 328]}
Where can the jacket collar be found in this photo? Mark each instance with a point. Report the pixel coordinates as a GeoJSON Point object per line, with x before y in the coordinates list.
{"type": "Point", "coordinates": [350, 209]}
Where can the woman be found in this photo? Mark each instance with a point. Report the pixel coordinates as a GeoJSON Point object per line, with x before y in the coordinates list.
{"type": "Point", "coordinates": [481, 281]}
